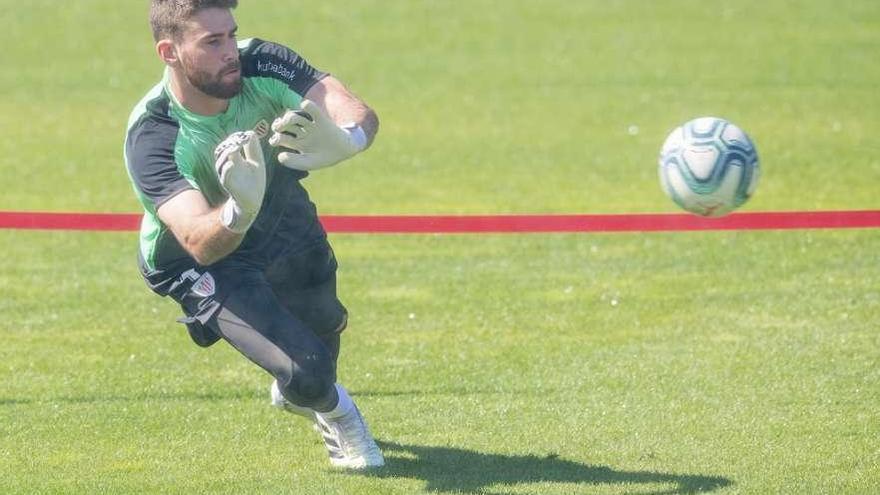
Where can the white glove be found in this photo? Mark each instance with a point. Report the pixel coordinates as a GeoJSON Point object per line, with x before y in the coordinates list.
{"type": "Point", "coordinates": [242, 173]}
{"type": "Point", "coordinates": [313, 140]}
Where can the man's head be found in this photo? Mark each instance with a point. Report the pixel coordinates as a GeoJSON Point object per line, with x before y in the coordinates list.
{"type": "Point", "coordinates": [196, 38]}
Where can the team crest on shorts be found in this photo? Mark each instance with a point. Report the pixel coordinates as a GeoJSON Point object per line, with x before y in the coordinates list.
{"type": "Point", "coordinates": [204, 286]}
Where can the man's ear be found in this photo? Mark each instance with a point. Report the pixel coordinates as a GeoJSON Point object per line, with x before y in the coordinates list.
{"type": "Point", "coordinates": [167, 52]}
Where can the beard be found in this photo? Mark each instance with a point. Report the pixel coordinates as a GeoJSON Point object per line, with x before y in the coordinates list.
{"type": "Point", "coordinates": [213, 84]}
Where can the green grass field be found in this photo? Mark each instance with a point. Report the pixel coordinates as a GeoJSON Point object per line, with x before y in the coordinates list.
{"type": "Point", "coordinates": [669, 363]}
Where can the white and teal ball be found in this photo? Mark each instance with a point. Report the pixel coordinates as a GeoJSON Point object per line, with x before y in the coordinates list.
{"type": "Point", "coordinates": [709, 166]}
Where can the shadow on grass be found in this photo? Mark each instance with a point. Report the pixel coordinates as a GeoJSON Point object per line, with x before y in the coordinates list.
{"type": "Point", "coordinates": [451, 470]}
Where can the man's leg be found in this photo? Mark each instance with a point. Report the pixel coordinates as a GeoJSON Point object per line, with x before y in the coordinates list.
{"type": "Point", "coordinates": [305, 283]}
{"type": "Point", "coordinates": [253, 321]}
{"type": "Point", "coordinates": [236, 303]}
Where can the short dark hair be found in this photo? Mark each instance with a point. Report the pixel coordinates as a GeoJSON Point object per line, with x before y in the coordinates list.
{"type": "Point", "coordinates": [167, 17]}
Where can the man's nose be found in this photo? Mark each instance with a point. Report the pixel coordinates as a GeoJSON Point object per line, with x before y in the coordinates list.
{"type": "Point", "coordinates": [231, 52]}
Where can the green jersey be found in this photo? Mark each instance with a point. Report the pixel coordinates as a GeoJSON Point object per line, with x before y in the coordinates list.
{"type": "Point", "coordinates": [169, 149]}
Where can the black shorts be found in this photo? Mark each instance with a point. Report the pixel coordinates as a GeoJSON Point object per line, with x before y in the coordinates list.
{"type": "Point", "coordinates": [301, 285]}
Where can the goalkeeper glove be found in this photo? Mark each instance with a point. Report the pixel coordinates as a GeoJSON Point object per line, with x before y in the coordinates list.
{"type": "Point", "coordinates": [242, 173]}
{"type": "Point", "coordinates": [314, 141]}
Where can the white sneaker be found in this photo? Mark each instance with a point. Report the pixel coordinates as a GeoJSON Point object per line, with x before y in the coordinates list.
{"type": "Point", "coordinates": [349, 442]}
{"type": "Point", "coordinates": [280, 402]}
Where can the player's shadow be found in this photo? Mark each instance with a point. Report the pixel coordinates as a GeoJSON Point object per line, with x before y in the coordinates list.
{"type": "Point", "coordinates": [451, 470]}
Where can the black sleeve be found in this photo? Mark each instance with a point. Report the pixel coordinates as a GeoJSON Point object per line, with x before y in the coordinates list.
{"type": "Point", "coordinates": [267, 59]}
{"type": "Point", "coordinates": [149, 152]}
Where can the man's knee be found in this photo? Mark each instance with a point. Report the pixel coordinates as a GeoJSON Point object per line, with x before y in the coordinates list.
{"type": "Point", "coordinates": [323, 314]}
{"type": "Point", "coordinates": [311, 382]}
{"type": "Point", "coordinates": [332, 323]}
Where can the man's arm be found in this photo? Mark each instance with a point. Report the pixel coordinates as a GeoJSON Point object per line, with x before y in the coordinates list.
{"type": "Point", "coordinates": [209, 234]}
{"type": "Point", "coordinates": [330, 125]}
{"type": "Point", "coordinates": [198, 228]}
{"type": "Point", "coordinates": [343, 106]}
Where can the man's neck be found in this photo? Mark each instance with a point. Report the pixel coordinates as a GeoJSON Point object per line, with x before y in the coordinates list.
{"type": "Point", "coordinates": [194, 99]}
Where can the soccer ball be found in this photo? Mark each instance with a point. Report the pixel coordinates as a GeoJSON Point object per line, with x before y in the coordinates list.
{"type": "Point", "coordinates": [709, 166]}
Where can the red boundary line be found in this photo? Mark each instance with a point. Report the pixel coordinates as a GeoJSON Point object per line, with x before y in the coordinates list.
{"type": "Point", "coordinates": [424, 224]}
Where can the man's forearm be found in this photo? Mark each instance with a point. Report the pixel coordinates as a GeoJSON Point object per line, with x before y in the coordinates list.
{"type": "Point", "coordinates": [207, 240]}
{"type": "Point", "coordinates": [343, 107]}
{"type": "Point", "coordinates": [346, 109]}
{"type": "Point", "coordinates": [369, 122]}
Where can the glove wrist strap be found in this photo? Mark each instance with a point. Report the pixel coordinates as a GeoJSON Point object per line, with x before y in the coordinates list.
{"type": "Point", "coordinates": [234, 218]}
{"type": "Point", "coordinates": [357, 135]}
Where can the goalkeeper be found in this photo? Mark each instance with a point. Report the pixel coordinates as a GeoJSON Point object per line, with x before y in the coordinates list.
{"type": "Point", "coordinates": [216, 152]}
